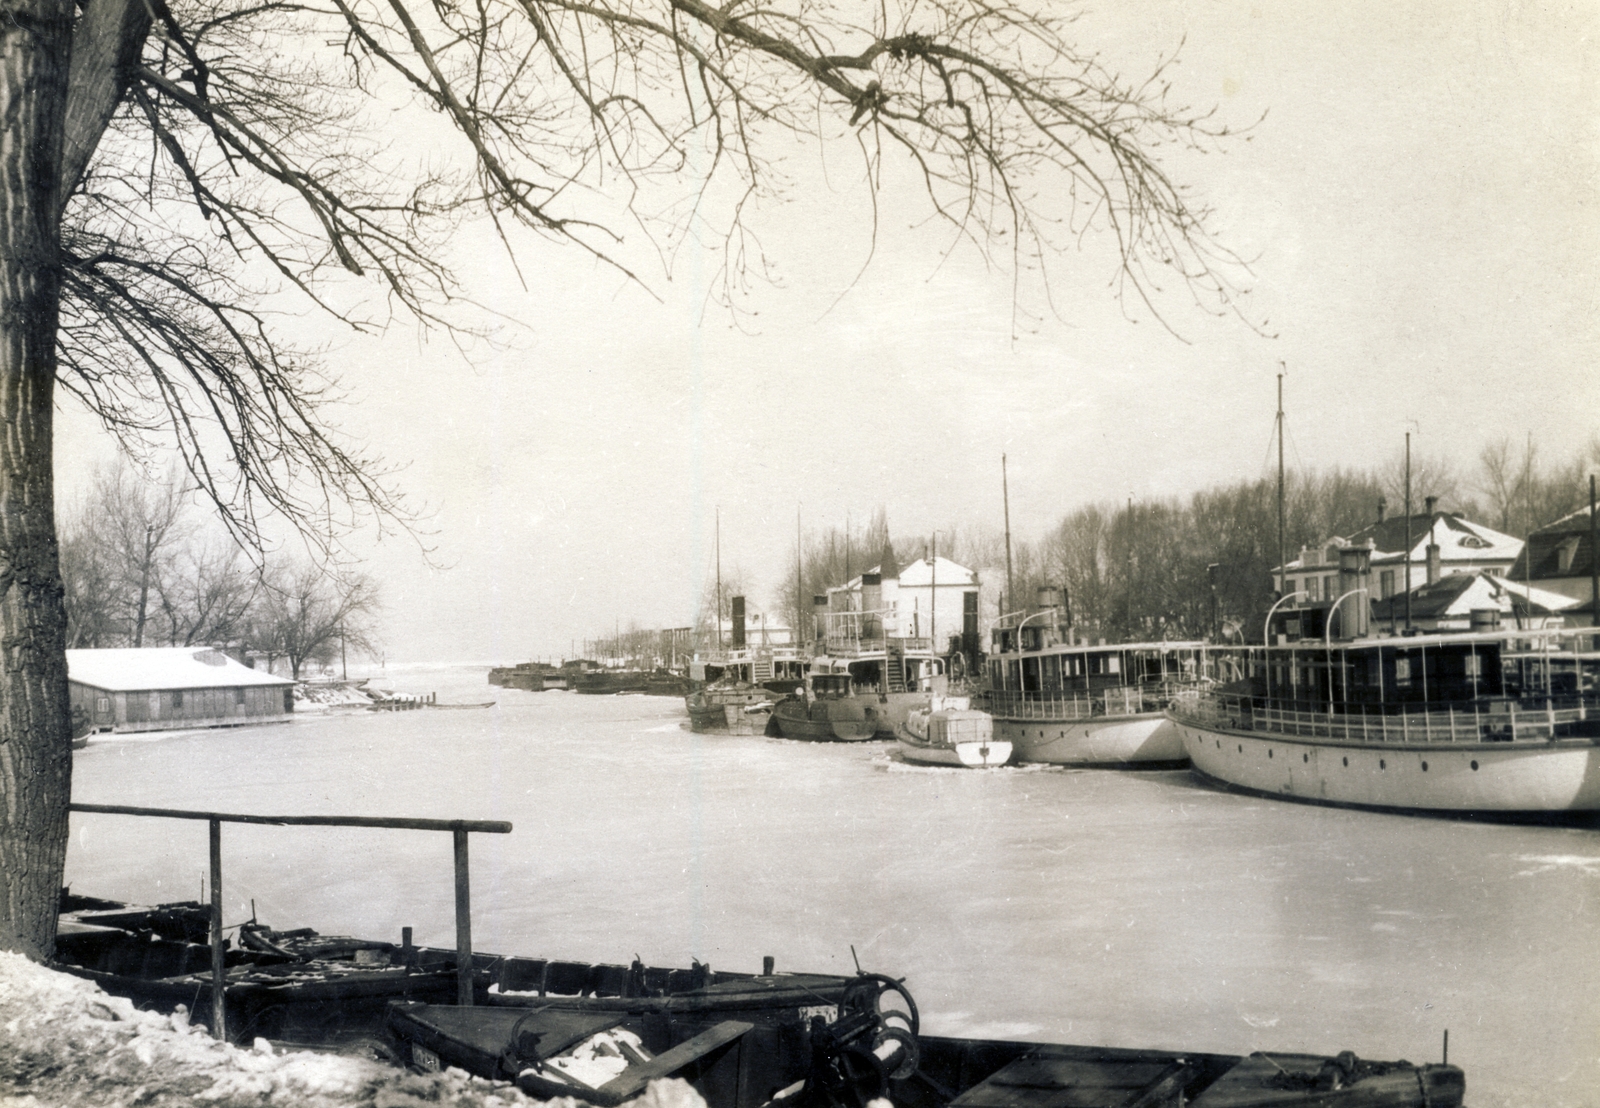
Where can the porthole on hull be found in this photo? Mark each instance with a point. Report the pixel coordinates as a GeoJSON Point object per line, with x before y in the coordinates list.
{"type": "Point", "coordinates": [1474, 767]}
{"type": "Point", "coordinates": [1382, 764]}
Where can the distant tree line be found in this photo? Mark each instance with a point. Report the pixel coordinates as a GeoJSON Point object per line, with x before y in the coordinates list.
{"type": "Point", "coordinates": [1148, 569]}
{"type": "Point", "coordinates": [142, 566]}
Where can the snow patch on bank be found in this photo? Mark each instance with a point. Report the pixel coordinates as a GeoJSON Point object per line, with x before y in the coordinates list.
{"type": "Point", "coordinates": [64, 1042]}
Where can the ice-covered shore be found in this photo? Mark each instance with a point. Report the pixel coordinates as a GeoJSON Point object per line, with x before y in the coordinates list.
{"type": "Point", "coordinates": [64, 1042]}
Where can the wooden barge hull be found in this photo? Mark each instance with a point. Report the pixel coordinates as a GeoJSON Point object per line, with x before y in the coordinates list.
{"type": "Point", "coordinates": [1148, 740]}
{"type": "Point", "coordinates": [773, 1058]}
{"type": "Point", "coordinates": [1562, 775]}
{"type": "Point", "coordinates": [307, 989]}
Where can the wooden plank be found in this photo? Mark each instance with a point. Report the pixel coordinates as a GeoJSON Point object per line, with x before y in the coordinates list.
{"type": "Point", "coordinates": [1285, 1081]}
{"type": "Point", "coordinates": [634, 1078]}
{"type": "Point", "coordinates": [1038, 1080]}
{"type": "Point", "coordinates": [484, 826]}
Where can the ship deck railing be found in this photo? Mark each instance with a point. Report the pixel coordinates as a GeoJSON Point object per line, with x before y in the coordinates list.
{"type": "Point", "coordinates": [1118, 700]}
{"type": "Point", "coordinates": [1501, 721]}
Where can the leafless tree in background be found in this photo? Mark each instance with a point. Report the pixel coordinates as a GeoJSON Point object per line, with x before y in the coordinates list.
{"type": "Point", "coordinates": [307, 612]}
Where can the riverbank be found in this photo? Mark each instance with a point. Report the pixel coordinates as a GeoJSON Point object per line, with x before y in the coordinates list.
{"type": "Point", "coordinates": [65, 1043]}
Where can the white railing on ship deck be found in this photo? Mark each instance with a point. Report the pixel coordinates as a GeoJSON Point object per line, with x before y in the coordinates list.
{"type": "Point", "coordinates": [1122, 700]}
{"type": "Point", "coordinates": [1505, 721]}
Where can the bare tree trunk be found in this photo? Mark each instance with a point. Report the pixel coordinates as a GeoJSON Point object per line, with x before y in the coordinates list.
{"type": "Point", "coordinates": [35, 743]}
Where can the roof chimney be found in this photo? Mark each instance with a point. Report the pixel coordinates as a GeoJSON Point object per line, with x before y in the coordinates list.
{"type": "Point", "coordinates": [1432, 502]}
{"type": "Point", "coordinates": [1383, 507]}
{"type": "Point", "coordinates": [1433, 563]}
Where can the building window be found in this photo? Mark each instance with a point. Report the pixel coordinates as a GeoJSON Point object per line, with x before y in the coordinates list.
{"type": "Point", "coordinates": [177, 698]}
{"type": "Point", "coordinates": [238, 695]}
{"type": "Point", "coordinates": [102, 704]}
{"type": "Point", "coordinates": [1386, 584]}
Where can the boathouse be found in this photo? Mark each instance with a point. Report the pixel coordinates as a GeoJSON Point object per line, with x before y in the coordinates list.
{"type": "Point", "coordinates": [164, 688]}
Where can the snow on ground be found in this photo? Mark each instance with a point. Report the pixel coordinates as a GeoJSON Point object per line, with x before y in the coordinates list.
{"type": "Point", "coordinates": [64, 1043]}
{"type": "Point", "coordinates": [314, 697]}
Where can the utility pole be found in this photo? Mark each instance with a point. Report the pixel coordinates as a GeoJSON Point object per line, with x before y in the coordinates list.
{"type": "Point", "coordinates": [719, 577]}
{"type": "Point", "coordinates": [1283, 558]}
{"type": "Point", "coordinates": [1594, 563]}
{"type": "Point", "coordinates": [1005, 493]}
{"type": "Point", "coordinates": [1408, 530]}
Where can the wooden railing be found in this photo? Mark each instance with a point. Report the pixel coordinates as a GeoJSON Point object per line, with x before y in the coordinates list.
{"type": "Point", "coordinates": [1506, 721]}
{"type": "Point", "coordinates": [459, 828]}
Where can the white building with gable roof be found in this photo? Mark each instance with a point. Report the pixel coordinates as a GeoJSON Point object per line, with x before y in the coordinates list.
{"type": "Point", "coordinates": [166, 688]}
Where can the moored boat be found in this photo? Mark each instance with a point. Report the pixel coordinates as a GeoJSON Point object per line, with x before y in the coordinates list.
{"type": "Point", "coordinates": [730, 708]}
{"type": "Point", "coordinates": [949, 732]}
{"type": "Point", "coordinates": [859, 1048]}
{"type": "Point", "coordinates": [1060, 699]}
{"type": "Point", "coordinates": [303, 988]}
{"type": "Point", "coordinates": [1467, 722]}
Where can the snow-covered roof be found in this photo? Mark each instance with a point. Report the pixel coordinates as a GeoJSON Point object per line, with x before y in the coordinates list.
{"type": "Point", "coordinates": [920, 574]}
{"type": "Point", "coordinates": [1459, 594]}
{"type": "Point", "coordinates": [1460, 541]}
{"type": "Point", "coordinates": [128, 669]}
{"type": "Point", "coordinates": [915, 575]}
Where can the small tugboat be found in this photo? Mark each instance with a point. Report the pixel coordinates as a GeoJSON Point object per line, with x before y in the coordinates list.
{"type": "Point", "coordinates": [862, 694]}
{"type": "Point", "coordinates": [730, 707]}
{"type": "Point", "coordinates": [868, 1045]}
{"type": "Point", "coordinates": [1471, 722]}
{"type": "Point", "coordinates": [949, 732]}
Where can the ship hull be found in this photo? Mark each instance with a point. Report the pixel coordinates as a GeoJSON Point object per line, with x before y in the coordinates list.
{"type": "Point", "coordinates": [1148, 740]}
{"type": "Point", "coordinates": [1562, 775]}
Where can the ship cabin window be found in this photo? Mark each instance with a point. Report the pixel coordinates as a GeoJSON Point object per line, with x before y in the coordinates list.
{"type": "Point", "coordinates": [1030, 675]}
{"type": "Point", "coordinates": [1386, 584]}
{"type": "Point", "coordinates": [1071, 666]}
{"type": "Point", "coordinates": [1030, 637]}
{"type": "Point", "coordinates": [996, 674]}
{"type": "Point", "coordinates": [1311, 588]}
{"type": "Point", "coordinates": [1402, 672]}
{"type": "Point", "coordinates": [831, 684]}
{"type": "Point", "coordinates": [1013, 675]}
{"type": "Point", "coordinates": [1330, 588]}
{"type": "Point", "coordinates": [1051, 677]}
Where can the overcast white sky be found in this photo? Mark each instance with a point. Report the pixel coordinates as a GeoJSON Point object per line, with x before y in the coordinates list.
{"type": "Point", "coordinates": [1419, 202]}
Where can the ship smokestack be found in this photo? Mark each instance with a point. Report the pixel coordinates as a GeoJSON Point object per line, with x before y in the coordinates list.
{"type": "Point", "coordinates": [1485, 619]}
{"type": "Point", "coordinates": [1383, 508]}
{"type": "Point", "coordinates": [819, 616]}
{"type": "Point", "coordinates": [1355, 566]}
{"type": "Point", "coordinates": [871, 603]}
{"type": "Point", "coordinates": [738, 623]}
{"type": "Point", "coordinates": [1433, 563]}
{"type": "Point", "coordinates": [1430, 502]}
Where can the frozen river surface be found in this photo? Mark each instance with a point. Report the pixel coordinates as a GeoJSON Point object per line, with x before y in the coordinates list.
{"type": "Point", "coordinates": [1083, 906]}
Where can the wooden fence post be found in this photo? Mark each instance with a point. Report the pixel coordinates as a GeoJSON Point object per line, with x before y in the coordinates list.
{"type": "Point", "coordinates": [219, 973]}
{"type": "Point", "coordinates": [463, 923]}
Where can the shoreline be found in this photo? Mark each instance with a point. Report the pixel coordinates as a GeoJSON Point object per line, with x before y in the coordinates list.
{"type": "Point", "coordinates": [64, 1042]}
